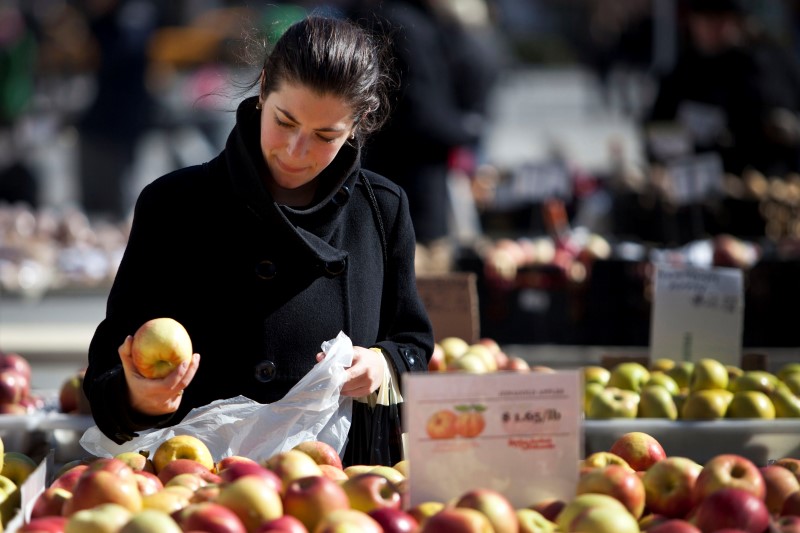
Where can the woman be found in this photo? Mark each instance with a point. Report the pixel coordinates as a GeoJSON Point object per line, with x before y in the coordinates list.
{"type": "Point", "coordinates": [271, 248]}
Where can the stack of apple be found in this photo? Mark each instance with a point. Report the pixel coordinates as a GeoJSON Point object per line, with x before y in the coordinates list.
{"type": "Point", "coordinates": [704, 390]}
{"type": "Point", "coordinates": [486, 355]}
{"type": "Point", "coordinates": [16, 397]}
{"type": "Point", "coordinates": [15, 467]}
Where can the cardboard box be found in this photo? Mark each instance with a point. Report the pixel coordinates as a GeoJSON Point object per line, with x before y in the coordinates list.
{"type": "Point", "coordinates": [452, 304]}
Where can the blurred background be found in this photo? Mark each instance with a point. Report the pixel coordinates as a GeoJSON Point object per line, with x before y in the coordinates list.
{"type": "Point", "coordinates": [609, 135]}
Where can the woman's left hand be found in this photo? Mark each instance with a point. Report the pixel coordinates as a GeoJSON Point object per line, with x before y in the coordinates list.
{"type": "Point", "coordinates": [365, 375]}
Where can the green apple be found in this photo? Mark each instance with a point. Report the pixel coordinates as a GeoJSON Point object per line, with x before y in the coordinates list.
{"type": "Point", "coordinates": [787, 405]}
{"type": "Point", "coordinates": [151, 521]}
{"type": "Point", "coordinates": [656, 402]}
{"type": "Point", "coordinates": [17, 466]}
{"type": "Point", "coordinates": [531, 521]}
{"type": "Point", "coordinates": [707, 404]}
{"type": "Point", "coordinates": [9, 499]}
{"type": "Point", "coordinates": [750, 404]}
{"type": "Point", "coordinates": [103, 518]}
{"type": "Point", "coordinates": [788, 369]}
{"type": "Point", "coordinates": [759, 380]}
{"type": "Point", "coordinates": [733, 373]}
{"type": "Point", "coordinates": [792, 382]}
{"type": "Point", "coordinates": [596, 374]}
{"type": "Point", "coordinates": [629, 375]}
{"type": "Point", "coordinates": [581, 505]}
{"type": "Point", "coordinates": [681, 373]}
{"type": "Point", "coordinates": [613, 402]}
{"type": "Point", "coordinates": [590, 390]}
{"type": "Point", "coordinates": [661, 378]}
{"type": "Point", "coordinates": [661, 364]}
{"type": "Point", "coordinates": [708, 374]}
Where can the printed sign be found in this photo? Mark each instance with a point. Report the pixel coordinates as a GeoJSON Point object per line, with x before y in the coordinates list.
{"type": "Point", "coordinates": [517, 433]}
{"type": "Point", "coordinates": [697, 313]}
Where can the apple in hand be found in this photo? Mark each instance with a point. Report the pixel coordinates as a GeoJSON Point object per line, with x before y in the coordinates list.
{"type": "Point", "coordinates": [731, 508]}
{"type": "Point", "coordinates": [322, 452]}
{"type": "Point", "coordinates": [669, 486]}
{"type": "Point", "coordinates": [159, 346]}
{"type": "Point", "coordinates": [310, 498]}
{"type": "Point", "coordinates": [779, 483]}
{"type": "Point", "coordinates": [729, 470]}
{"type": "Point", "coordinates": [639, 449]}
{"type": "Point", "coordinates": [182, 447]}
{"type": "Point", "coordinates": [497, 508]}
{"type": "Point", "coordinates": [616, 481]}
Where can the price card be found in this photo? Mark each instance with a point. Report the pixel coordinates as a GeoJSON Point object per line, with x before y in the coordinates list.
{"type": "Point", "coordinates": [697, 313]}
{"type": "Point", "coordinates": [517, 433]}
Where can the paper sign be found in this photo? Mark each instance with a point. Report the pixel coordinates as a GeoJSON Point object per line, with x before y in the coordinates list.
{"type": "Point", "coordinates": [697, 313]}
{"type": "Point", "coordinates": [517, 433]}
{"type": "Point", "coordinates": [697, 178]}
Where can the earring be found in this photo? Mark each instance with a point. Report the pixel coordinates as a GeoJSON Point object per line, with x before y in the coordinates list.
{"type": "Point", "coordinates": [258, 106]}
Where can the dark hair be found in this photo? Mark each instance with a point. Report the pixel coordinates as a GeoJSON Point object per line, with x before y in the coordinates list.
{"type": "Point", "coordinates": [337, 57]}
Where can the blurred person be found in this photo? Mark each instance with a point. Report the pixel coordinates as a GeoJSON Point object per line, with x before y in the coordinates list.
{"type": "Point", "coordinates": [122, 108]}
{"type": "Point", "coordinates": [734, 90]}
{"type": "Point", "coordinates": [440, 104]}
{"type": "Point", "coordinates": [271, 248]}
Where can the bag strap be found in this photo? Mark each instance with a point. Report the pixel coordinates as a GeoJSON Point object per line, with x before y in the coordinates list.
{"type": "Point", "coordinates": [376, 212]}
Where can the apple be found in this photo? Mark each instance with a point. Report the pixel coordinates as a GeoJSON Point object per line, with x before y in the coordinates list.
{"type": "Point", "coordinates": [44, 524]}
{"type": "Point", "coordinates": [779, 483]}
{"type": "Point", "coordinates": [673, 525]}
{"type": "Point", "coordinates": [389, 472]}
{"type": "Point", "coordinates": [787, 524]}
{"type": "Point", "coordinates": [497, 508]}
{"type": "Point", "coordinates": [662, 379]}
{"type": "Point", "coordinates": [669, 486]}
{"type": "Point", "coordinates": [283, 524]}
{"type": "Point", "coordinates": [137, 461]}
{"type": "Point", "coordinates": [756, 380]}
{"type": "Point", "coordinates": [102, 518]}
{"type": "Point", "coordinates": [331, 472]}
{"type": "Point", "coordinates": [292, 464]}
{"type": "Point", "coordinates": [629, 375]}
{"type": "Point", "coordinates": [441, 424]}
{"type": "Point", "coordinates": [14, 361]}
{"type": "Point", "coordinates": [17, 466]}
{"type": "Point", "coordinates": [70, 394]}
{"type": "Point", "coordinates": [13, 387]}
{"type": "Point", "coordinates": [168, 500]}
{"type": "Point", "coordinates": [69, 477]}
{"type": "Point", "coordinates": [96, 487]}
{"type": "Point", "coordinates": [616, 481]}
{"type": "Point", "coordinates": [750, 404]}
{"type": "Point", "coordinates": [531, 521]}
{"type": "Point", "coordinates": [656, 401]}
{"type": "Point", "coordinates": [602, 458]}
{"type": "Point", "coordinates": [549, 508]}
{"type": "Point", "coordinates": [457, 520]}
{"type": "Point", "coordinates": [733, 508]}
{"type": "Point", "coordinates": [50, 502]}
{"type": "Point", "coordinates": [182, 447]}
{"type": "Point", "coordinates": [791, 382]}
{"type": "Point", "coordinates": [596, 374]}
{"type": "Point", "coordinates": [322, 452]}
{"type": "Point", "coordinates": [681, 372]}
{"type": "Point", "coordinates": [471, 363]}
{"type": "Point", "coordinates": [253, 499]}
{"type": "Point", "coordinates": [354, 470]}
{"type": "Point", "coordinates": [10, 499]}
{"type": "Point", "coordinates": [402, 466]}
{"type": "Point", "coordinates": [394, 520]}
{"type": "Point", "coordinates": [453, 348]}
{"type": "Point", "coordinates": [585, 513]}
{"type": "Point", "coordinates": [148, 482]}
{"type": "Point", "coordinates": [424, 510]}
{"type": "Point", "coordinates": [706, 404]}
{"type": "Point", "coordinates": [436, 362]}
{"type": "Point", "coordinates": [786, 403]}
{"type": "Point", "coordinates": [229, 460]}
{"type": "Point", "coordinates": [470, 422]}
{"type": "Point", "coordinates": [590, 390]}
{"type": "Point", "coordinates": [614, 402]}
{"type": "Point", "coordinates": [348, 521]}
{"type": "Point", "coordinates": [791, 505]}
{"type": "Point", "coordinates": [159, 346]}
{"type": "Point", "coordinates": [186, 466]}
{"type": "Point", "coordinates": [729, 470]}
{"type": "Point", "coordinates": [206, 493]}
{"type": "Point", "coordinates": [787, 369]}
{"type": "Point", "coordinates": [370, 491]}
{"type": "Point", "coordinates": [661, 364]}
{"type": "Point", "coordinates": [517, 364]}
{"type": "Point", "coordinates": [211, 517]}
{"type": "Point", "coordinates": [790, 463]}
{"type": "Point", "coordinates": [708, 374]}
{"type": "Point", "coordinates": [639, 449]}
{"type": "Point", "coordinates": [239, 469]}
{"type": "Point", "coordinates": [310, 498]}
{"type": "Point", "coordinates": [151, 521]}
{"type": "Point", "coordinates": [188, 480]}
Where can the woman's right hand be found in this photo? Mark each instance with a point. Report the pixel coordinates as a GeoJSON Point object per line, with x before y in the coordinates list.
{"type": "Point", "coordinates": [156, 396]}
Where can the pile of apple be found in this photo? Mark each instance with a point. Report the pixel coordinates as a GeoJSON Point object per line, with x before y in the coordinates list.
{"type": "Point", "coordinates": [483, 356]}
{"type": "Point", "coordinates": [704, 390]}
{"type": "Point", "coordinates": [15, 467]}
{"type": "Point", "coordinates": [16, 397]}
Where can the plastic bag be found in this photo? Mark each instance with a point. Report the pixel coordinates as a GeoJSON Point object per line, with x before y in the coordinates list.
{"type": "Point", "coordinates": [312, 410]}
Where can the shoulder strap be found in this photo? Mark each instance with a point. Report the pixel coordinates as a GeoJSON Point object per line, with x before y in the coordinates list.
{"type": "Point", "coordinates": [378, 218]}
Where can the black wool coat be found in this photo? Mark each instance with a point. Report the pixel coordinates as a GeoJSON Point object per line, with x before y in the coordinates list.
{"type": "Point", "coordinates": [259, 286]}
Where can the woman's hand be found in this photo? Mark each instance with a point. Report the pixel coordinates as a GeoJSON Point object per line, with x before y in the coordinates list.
{"type": "Point", "coordinates": [365, 375]}
{"type": "Point", "coordinates": [156, 396]}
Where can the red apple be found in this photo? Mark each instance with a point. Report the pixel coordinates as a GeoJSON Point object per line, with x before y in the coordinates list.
{"type": "Point", "coordinates": [615, 481]}
{"type": "Point", "coordinates": [370, 491]}
{"type": "Point", "coordinates": [14, 361]}
{"type": "Point", "coordinates": [457, 520]}
{"type": "Point", "coordinates": [669, 486]}
{"type": "Point", "coordinates": [187, 466]}
{"type": "Point", "coordinates": [517, 364]}
{"type": "Point", "coordinates": [322, 452]}
{"type": "Point", "coordinates": [336, 474]}
{"type": "Point", "coordinates": [437, 362]}
{"type": "Point", "coordinates": [284, 524]}
{"type": "Point", "coordinates": [787, 524]}
{"type": "Point", "coordinates": [292, 464]}
{"type": "Point", "coordinates": [791, 505]}
{"type": "Point", "coordinates": [13, 387]}
{"type": "Point", "coordinates": [209, 517]}
{"type": "Point", "coordinates": [70, 392]}
{"type": "Point", "coordinates": [50, 502]}
{"type": "Point", "coordinates": [729, 470]}
{"type": "Point", "coordinates": [66, 480]}
{"type": "Point", "coordinates": [348, 521]}
{"type": "Point", "coordinates": [44, 524]}
{"type": "Point", "coordinates": [673, 525]}
{"type": "Point", "coordinates": [311, 498]}
{"type": "Point", "coordinates": [137, 461]}
{"type": "Point", "coordinates": [225, 462]}
{"type": "Point", "coordinates": [731, 507]}
{"type": "Point", "coordinates": [394, 520]}
{"type": "Point", "coordinates": [441, 424]}
{"type": "Point", "coordinates": [241, 468]}
{"type": "Point", "coordinates": [779, 483]}
{"type": "Point", "coordinates": [96, 487]}
{"type": "Point", "coordinates": [791, 464]}
{"type": "Point", "coordinates": [253, 499]}
{"type": "Point", "coordinates": [159, 346]}
{"type": "Point", "coordinates": [549, 508]}
{"type": "Point", "coordinates": [603, 458]}
{"type": "Point", "coordinates": [640, 450]}
{"type": "Point", "coordinates": [148, 482]}
{"type": "Point", "coordinates": [497, 508]}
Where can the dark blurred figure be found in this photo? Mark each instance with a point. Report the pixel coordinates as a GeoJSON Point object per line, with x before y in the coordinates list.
{"type": "Point", "coordinates": [17, 72]}
{"type": "Point", "coordinates": [445, 77]}
{"type": "Point", "coordinates": [734, 90]}
{"type": "Point", "coordinates": [122, 108]}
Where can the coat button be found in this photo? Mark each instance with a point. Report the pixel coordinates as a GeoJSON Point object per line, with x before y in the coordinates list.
{"type": "Point", "coordinates": [341, 196]}
{"type": "Point", "coordinates": [265, 371]}
{"type": "Point", "coordinates": [409, 356]}
{"type": "Point", "coordinates": [334, 268]}
{"type": "Point", "coordinates": [266, 270]}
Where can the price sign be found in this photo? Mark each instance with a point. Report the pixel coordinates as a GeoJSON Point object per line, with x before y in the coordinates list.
{"type": "Point", "coordinates": [534, 182]}
{"type": "Point", "coordinates": [697, 313]}
{"type": "Point", "coordinates": [696, 178]}
{"type": "Point", "coordinates": [517, 433]}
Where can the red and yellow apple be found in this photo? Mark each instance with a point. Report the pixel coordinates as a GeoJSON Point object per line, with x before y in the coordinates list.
{"type": "Point", "coordinates": [159, 346]}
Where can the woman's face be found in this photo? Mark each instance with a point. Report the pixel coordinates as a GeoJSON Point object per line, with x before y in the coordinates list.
{"type": "Point", "coordinates": [301, 133]}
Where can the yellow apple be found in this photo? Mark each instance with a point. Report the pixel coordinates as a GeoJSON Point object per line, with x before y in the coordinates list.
{"type": "Point", "coordinates": [182, 447]}
{"type": "Point", "coordinates": [159, 346]}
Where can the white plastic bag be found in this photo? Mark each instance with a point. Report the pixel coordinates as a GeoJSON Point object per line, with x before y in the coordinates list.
{"type": "Point", "coordinates": [312, 410]}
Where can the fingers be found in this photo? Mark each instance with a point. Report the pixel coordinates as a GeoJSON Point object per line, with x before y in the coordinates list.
{"type": "Point", "coordinates": [320, 356]}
